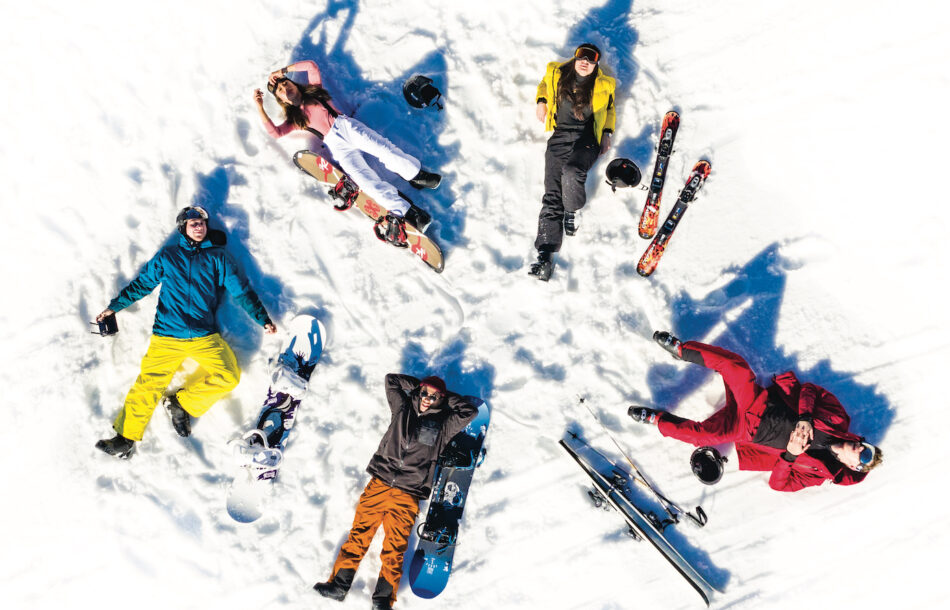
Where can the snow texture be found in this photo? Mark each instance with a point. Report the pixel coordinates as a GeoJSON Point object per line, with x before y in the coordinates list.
{"type": "Point", "coordinates": [818, 245]}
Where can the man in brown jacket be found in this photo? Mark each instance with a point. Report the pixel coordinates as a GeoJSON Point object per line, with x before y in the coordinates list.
{"type": "Point", "coordinates": [425, 417]}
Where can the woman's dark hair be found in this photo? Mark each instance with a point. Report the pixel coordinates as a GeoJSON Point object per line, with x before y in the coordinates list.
{"type": "Point", "coordinates": [308, 93]}
{"type": "Point", "coordinates": [567, 88]}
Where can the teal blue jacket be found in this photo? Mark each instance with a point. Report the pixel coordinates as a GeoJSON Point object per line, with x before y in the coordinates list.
{"type": "Point", "coordinates": [193, 279]}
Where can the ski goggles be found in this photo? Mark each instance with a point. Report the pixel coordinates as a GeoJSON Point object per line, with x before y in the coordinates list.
{"type": "Point", "coordinates": [587, 53]}
{"type": "Point", "coordinates": [867, 456]}
{"type": "Point", "coordinates": [194, 213]}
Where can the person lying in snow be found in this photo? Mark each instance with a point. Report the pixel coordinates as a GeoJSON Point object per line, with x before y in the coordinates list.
{"type": "Point", "coordinates": [192, 272]}
{"type": "Point", "coordinates": [425, 417]}
{"type": "Point", "coordinates": [309, 107]}
{"type": "Point", "coordinates": [798, 431]}
{"type": "Point", "coordinates": [575, 100]}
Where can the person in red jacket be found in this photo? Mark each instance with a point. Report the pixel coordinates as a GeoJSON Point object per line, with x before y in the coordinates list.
{"type": "Point", "coordinates": [798, 431]}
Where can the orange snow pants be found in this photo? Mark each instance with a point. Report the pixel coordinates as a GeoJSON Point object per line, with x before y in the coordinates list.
{"type": "Point", "coordinates": [396, 510]}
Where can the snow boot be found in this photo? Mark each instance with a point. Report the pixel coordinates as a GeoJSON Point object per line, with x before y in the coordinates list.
{"type": "Point", "coordinates": [543, 267]}
{"type": "Point", "coordinates": [181, 421]}
{"type": "Point", "coordinates": [426, 180]}
{"type": "Point", "coordinates": [383, 594]}
{"type": "Point", "coordinates": [117, 446]}
{"type": "Point", "coordinates": [337, 587]}
{"type": "Point", "coordinates": [670, 343]}
{"type": "Point", "coordinates": [570, 223]}
{"type": "Point", "coordinates": [418, 218]}
{"type": "Point", "coordinates": [643, 415]}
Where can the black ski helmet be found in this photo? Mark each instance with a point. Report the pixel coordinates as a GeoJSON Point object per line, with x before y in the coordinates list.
{"type": "Point", "coordinates": [421, 93]}
{"type": "Point", "coordinates": [192, 212]}
{"type": "Point", "coordinates": [622, 173]}
{"type": "Point", "coordinates": [707, 464]}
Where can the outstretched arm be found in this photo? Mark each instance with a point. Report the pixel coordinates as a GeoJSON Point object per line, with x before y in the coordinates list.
{"type": "Point", "coordinates": [144, 283]}
{"type": "Point", "coordinates": [238, 287]}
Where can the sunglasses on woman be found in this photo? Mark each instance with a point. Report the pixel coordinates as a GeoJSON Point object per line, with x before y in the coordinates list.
{"type": "Point", "coordinates": [586, 53]}
{"type": "Point", "coordinates": [429, 395]}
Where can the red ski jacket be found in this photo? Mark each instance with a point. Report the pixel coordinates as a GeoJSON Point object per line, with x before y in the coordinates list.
{"type": "Point", "coordinates": [739, 419]}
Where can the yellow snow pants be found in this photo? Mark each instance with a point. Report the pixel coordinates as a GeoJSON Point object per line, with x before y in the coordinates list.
{"type": "Point", "coordinates": [164, 356]}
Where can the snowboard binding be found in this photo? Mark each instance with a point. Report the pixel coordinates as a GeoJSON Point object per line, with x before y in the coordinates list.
{"type": "Point", "coordinates": [391, 229]}
{"type": "Point", "coordinates": [346, 192]}
{"type": "Point", "coordinates": [252, 452]}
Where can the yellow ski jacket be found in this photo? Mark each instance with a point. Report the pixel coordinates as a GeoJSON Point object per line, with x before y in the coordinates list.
{"type": "Point", "coordinates": [602, 101]}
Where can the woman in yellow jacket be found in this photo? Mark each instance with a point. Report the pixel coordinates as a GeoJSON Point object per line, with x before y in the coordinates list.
{"type": "Point", "coordinates": [575, 100]}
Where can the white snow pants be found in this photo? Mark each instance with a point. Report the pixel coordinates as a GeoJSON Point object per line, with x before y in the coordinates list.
{"type": "Point", "coordinates": [348, 139]}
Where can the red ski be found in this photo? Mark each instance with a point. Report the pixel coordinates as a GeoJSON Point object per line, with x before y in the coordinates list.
{"type": "Point", "coordinates": [651, 210]}
{"type": "Point", "coordinates": [651, 257]}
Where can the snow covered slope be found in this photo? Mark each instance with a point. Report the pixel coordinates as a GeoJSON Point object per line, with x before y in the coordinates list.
{"type": "Point", "coordinates": [818, 245]}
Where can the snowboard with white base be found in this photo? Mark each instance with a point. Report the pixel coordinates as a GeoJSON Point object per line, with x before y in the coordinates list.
{"type": "Point", "coordinates": [259, 453]}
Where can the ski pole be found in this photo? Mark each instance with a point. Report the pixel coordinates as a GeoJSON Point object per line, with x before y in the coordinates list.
{"type": "Point", "coordinates": [700, 518]}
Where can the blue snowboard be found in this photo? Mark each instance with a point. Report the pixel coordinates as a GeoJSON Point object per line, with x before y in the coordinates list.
{"type": "Point", "coordinates": [259, 453]}
{"type": "Point", "coordinates": [431, 562]}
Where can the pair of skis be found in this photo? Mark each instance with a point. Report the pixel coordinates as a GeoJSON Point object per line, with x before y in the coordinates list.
{"type": "Point", "coordinates": [651, 210]}
{"type": "Point", "coordinates": [612, 491]}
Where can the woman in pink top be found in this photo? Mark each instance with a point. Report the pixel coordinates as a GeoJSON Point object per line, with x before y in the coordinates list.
{"type": "Point", "coordinates": [309, 107]}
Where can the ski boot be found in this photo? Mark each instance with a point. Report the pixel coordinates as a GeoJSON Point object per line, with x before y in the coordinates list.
{"type": "Point", "coordinates": [181, 421]}
{"type": "Point", "coordinates": [670, 343]}
{"type": "Point", "coordinates": [643, 415]}
{"type": "Point", "coordinates": [391, 229]}
{"type": "Point", "coordinates": [543, 267]}
{"type": "Point", "coordinates": [570, 223]}
{"type": "Point", "coordinates": [118, 446]}
{"type": "Point", "coordinates": [426, 180]}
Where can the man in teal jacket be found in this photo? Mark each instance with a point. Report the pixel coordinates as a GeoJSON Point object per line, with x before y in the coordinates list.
{"type": "Point", "coordinates": [192, 272]}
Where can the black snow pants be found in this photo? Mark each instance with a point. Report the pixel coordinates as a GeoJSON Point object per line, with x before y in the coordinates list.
{"type": "Point", "coordinates": [569, 155]}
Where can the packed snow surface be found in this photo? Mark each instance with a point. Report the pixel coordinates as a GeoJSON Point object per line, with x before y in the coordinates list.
{"type": "Point", "coordinates": [818, 245]}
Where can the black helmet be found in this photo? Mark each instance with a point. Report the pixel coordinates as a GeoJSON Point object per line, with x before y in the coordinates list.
{"type": "Point", "coordinates": [192, 212]}
{"type": "Point", "coordinates": [707, 464]}
{"type": "Point", "coordinates": [622, 173]}
{"type": "Point", "coordinates": [420, 92]}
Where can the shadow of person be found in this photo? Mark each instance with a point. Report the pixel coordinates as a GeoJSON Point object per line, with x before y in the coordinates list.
{"type": "Point", "coordinates": [242, 333]}
{"type": "Point", "coordinates": [742, 316]}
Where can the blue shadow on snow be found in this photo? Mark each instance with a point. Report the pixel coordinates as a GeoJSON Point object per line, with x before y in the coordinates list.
{"type": "Point", "coordinates": [756, 293]}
